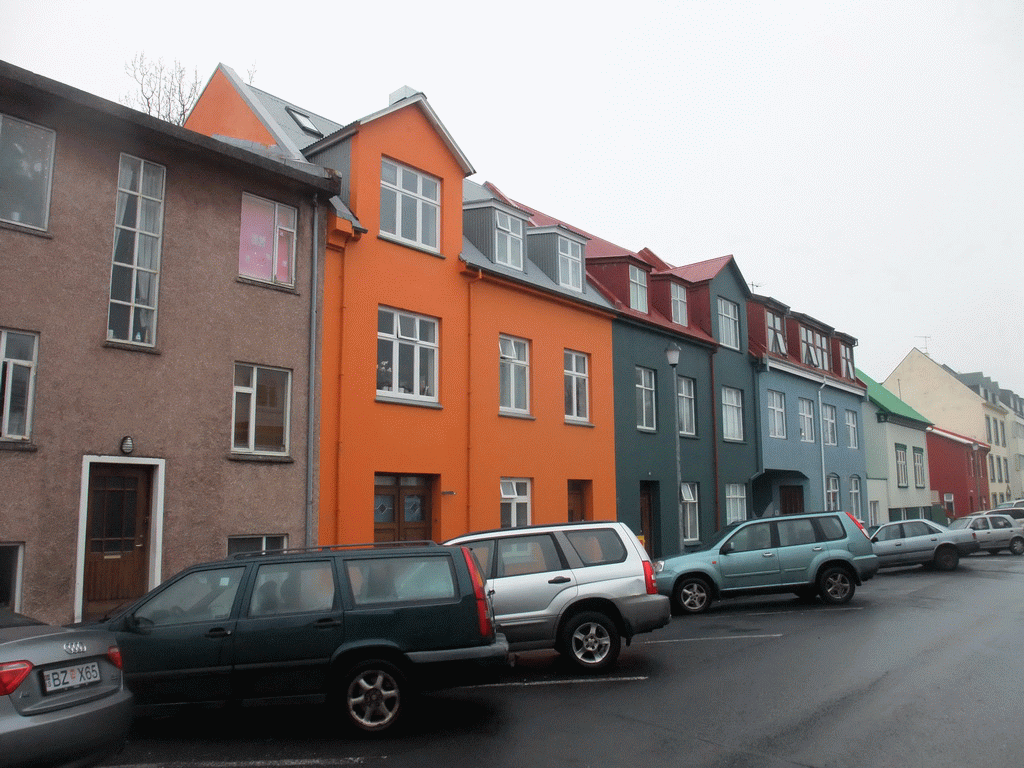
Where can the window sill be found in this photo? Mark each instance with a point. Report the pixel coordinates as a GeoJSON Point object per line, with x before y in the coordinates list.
{"type": "Point", "coordinates": [128, 346]}
{"type": "Point", "coordinates": [436, 252]}
{"type": "Point", "coordinates": [578, 423]}
{"type": "Point", "coordinates": [398, 400]}
{"type": "Point", "coordinates": [515, 415]}
{"type": "Point", "coordinates": [260, 458]}
{"type": "Point", "coordinates": [26, 230]}
{"type": "Point", "coordinates": [648, 430]}
{"type": "Point", "coordinates": [291, 289]}
{"type": "Point", "coordinates": [18, 446]}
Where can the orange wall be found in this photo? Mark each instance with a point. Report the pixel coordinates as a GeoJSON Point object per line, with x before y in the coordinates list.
{"type": "Point", "coordinates": [222, 111]}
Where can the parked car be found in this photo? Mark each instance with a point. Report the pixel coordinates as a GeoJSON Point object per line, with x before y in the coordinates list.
{"type": "Point", "coordinates": [995, 532]}
{"type": "Point", "coordinates": [1014, 509]}
{"type": "Point", "coordinates": [62, 694]}
{"type": "Point", "coordinates": [825, 554]}
{"type": "Point", "coordinates": [580, 588]}
{"type": "Point", "coordinates": [361, 626]}
{"type": "Point", "coordinates": [922, 542]}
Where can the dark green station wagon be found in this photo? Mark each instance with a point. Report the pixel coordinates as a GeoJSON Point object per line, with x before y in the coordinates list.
{"type": "Point", "coordinates": [358, 626]}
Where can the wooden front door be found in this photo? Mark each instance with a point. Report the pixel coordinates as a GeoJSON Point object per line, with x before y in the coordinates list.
{"type": "Point", "coordinates": [791, 499]}
{"type": "Point", "coordinates": [117, 538]}
{"type": "Point", "coordinates": [401, 508]}
{"type": "Point", "coordinates": [576, 494]}
{"type": "Point", "coordinates": [647, 491]}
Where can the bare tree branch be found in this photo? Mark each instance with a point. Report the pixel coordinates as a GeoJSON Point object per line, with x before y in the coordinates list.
{"type": "Point", "coordinates": [164, 91]}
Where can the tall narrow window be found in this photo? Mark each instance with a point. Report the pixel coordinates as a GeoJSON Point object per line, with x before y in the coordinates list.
{"type": "Point", "coordinates": [732, 414]}
{"type": "Point", "coordinates": [901, 466]}
{"type": "Point", "coordinates": [852, 437]}
{"type": "Point", "coordinates": [814, 348]}
{"type": "Point", "coordinates": [776, 414]}
{"type": "Point", "coordinates": [17, 384]}
{"type": "Point", "coordinates": [685, 389]}
{"type": "Point", "coordinates": [515, 502]}
{"type": "Point", "coordinates": [679, 313]}
{"type": "Point", "coordinates": [407, 355]}
{"type": "Point", "coordinates": [515, 374]}
{"type": "Point", "coordinates": [806, 420]}
{"type": "Point", "coordinates": [919, 467]}
{"type": "Point", "coordinates": [735, 502]}
{"type": "Point", "coordinates": [832, 493]}
{"type": "Point", "coordinates": [261, 409]}
{"type": "Point", "coordinates": [637, 289]}
{"type": "Point", "coordinates": [508, 240]}
{"type": "Point", "coordinates": [577, 386]}
{"type": "Point", "coordinates": [689, 516]}
{"type": "Point", "coordinates": [728, 323]}
{"type": "Point", "coordinates": [855, 496]}
{"type": "Point", "coordinates": [134, 278]}
{"type": "Point", "coordinates": [26, 168]}
{"type": "Point", "coordinates": [828, 420]}
{"type": "Point", "coordinates": [266, 247]}
{"type": "Point", "coordinates": [776, 333]}
{"type": "Point", "coordinates": [847, 353]}
{"type": "Point", "coordinates": [570, 264]}
{"type": "Point", "coordinates": [410, 206]}
{"type": "Point", "coordinates": [646, 416]}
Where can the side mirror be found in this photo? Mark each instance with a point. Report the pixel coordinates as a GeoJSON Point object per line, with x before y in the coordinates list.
{"type": "Point", "coordinates": [138, 624]}
{"type": "Point", "coordinates": [727, 548]}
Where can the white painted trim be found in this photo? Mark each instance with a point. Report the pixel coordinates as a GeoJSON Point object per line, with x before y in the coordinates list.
{"type": "Point", "coordinates": [156, 520]}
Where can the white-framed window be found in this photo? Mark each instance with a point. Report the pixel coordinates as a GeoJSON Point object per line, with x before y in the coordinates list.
{"type": "Point", "coordinates": [570, 264]}
{"type": "Point", "coordinates": [135, 272]}
{"type": "Point", "coordinates": [26, 172]}
{"type": "Point", "coordinates": [735, 502]}
{"type": "Point", "coordinates": [515, 502]}
{"type": "Point", "coordinates": [508, 240]}
{"type": "Point", "coordinates": [266, 242]}
{"type": "Point", "coordinates": [991, 468]}
{"type": "Point", "coordinates": [901, 466]}
{"type": "Point", "coordinates": [577, 386]}
{"type": "Point", "coordinates": [728, 323]}
{"type": "Point", "coordinates": [646, 413]}
{"type": "Point", "coordinates": [410, 206]}
{"type": "Point", "coordinates": [806, 420]}
{"type": "Point", "coordinates": [257, 543]}
{"type": "Point", "coordinates": [776, 333]}
{"type": "Point", "coordinates": [407, 355]}
{"type": "Point", "coordinates": [261, 409]}
{"type": "Point", "coordinates": [679, 313]}
{"type": "Point", "coordinates": [847, 359]}
{"type": "Point", "coordinates": [685, 390]}
{"type": "Point", "coordinates": [852, 434]}
{"type": "Point", "coordinates": [776, 414]}
{"type": "Point", "coordinates": [814, 348]}
{"type": "Point", "coordinates": [689, 514]}
{"type": "Point", "coordinates": [515, 374]}
{"type": "Point", "coordinates": [732, 413]}
{"type": "Point", "coordinates": [855, 496]}
{"type": "Point", "coordinates": [832, 493]}
{"type": "Point", "coordinates": [919, 468]}
{"type": "Point", "coordinates": [828, 420]}
{"type": "Point", "coordinates": [873, 514]}
{"type": "Point", "coordinates": [18, 359]}
{"type": "Point", "coordinates": [637, 289]}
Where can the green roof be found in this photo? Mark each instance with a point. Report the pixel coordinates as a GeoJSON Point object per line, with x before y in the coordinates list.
{"type": "Point", "coordinates": [886, 401]}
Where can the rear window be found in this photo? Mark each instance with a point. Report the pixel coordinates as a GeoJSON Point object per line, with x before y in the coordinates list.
{"type": "Point", "coordinates": [795, 532]}
{"type": "Point", "coordinates": [832, 528]}
{"type": "Point", "coordinates": [597, 546]}
{"type": "Point", "coordinates": [401, 579]}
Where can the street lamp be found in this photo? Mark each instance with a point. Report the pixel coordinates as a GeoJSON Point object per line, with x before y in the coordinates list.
{"type": "Point", "coordinates": [672, 355]}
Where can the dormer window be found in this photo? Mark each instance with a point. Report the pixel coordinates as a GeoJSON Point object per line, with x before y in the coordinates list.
{"type": "Point", "coordinates": [728, 323]}
{"type": "Point", "coordinates": [508, 241]}
{"type": "Point", "coordinates": [679, 314]}
{"type": "Point", "coordinates": [637, 289]}
{"type": "Point", "coordinates": [570, 264]}
{"type": "Point", "coordinates": [304, 122]}
{"type": "Point", "coordinates": [814, 348]}
{"type": "Point", "coordinates": [847, 352]}
{"type": "Point", "coordinates": [776, 334]}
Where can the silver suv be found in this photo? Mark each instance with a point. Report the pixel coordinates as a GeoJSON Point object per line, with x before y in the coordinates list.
{"type": "Point", "coordinates": [580, 588]}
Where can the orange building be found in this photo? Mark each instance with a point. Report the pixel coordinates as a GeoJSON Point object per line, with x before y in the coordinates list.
{"type": "Point", "coordinates": [457, 392]}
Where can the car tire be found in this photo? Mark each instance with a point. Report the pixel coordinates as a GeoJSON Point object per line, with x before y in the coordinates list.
{"type": "Point", "coordinates": [692, 595]}
{"type": "Point", "coordinates": [1017, 547]}
{"type": "Point", "coordinates": [836, 585]}
{"type": "Point", "coordinates": [946, 558]}
{"type": "Point", "coordinates": [373, 695]}
{"type": "Point", "coordinates": [591, 640]}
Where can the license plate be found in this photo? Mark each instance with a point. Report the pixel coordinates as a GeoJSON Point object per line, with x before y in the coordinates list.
{"type": "Point", "coordinates": [71, 677]}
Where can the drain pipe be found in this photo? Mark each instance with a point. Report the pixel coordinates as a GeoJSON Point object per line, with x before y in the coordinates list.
{"type": "Point", "coordinates": [311, 376]}
{"type": "Point", "coordinates": [821, 435]}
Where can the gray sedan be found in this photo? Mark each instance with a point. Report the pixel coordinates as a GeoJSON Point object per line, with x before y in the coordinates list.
{"type": "Point", "coordinates": [62, 694]}
{"type": "Point", "coordinates": [922, 542]}
{"type": "Point", "coordinates": [994, 532]}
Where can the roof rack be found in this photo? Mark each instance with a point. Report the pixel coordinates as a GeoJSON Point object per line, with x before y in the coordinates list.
{"type": "Point", "coordinates": [336, 548]}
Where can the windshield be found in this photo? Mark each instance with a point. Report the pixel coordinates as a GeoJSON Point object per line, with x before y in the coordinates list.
{"type": "Point", "coordinates": [717, 539]}
{"type": "Point", "coordinates": [961, 522]}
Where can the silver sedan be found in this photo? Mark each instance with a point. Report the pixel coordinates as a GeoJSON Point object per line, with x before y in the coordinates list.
{"type": "Point", "coordinates": [922, 542]}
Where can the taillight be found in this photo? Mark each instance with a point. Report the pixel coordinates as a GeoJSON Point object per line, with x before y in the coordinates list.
{"type": "Point", "coordinates": [483, 614]}
{"type": "Point", "coordinates": [859, 525]}
{"type": "Point", "coordinates": [652, 585]}
{"type": "Point", "coordinates": [114, 654]}
{"type": "Point", "coordinates": [11, 676]}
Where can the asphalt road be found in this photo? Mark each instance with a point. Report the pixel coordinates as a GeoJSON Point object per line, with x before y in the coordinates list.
{"type": "Point", "coordinates": [920, 669]}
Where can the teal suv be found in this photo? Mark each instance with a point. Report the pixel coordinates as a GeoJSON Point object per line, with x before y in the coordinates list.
{"type": "Point", "coordinates": [822, 553]}
{"type": "Point", "coordinates": [358, 626]}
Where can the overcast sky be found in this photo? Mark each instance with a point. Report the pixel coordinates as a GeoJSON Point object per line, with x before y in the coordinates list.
{"type": "Point", "coordinates": [863, 161]}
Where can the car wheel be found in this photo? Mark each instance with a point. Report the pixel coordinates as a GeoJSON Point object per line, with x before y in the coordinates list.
{"type": "Point", "coordinates": [591, 640]}
{"type": "Point", "coordinates": [1017, 547]}
{"type": "Point", "coordinates": [947, 559]}
{"type": "Point", "coordinates": [692, 595]}
{"type": "Point", "coordinates": [373, 695]}
{"type": "Point", "coordinates": [836, 585]}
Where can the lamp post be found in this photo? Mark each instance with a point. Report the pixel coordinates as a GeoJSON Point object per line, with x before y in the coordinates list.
{"type": "Point", "coordinates": [672, 354]}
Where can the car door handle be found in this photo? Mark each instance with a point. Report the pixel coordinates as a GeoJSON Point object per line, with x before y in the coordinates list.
{"type": "Point", "coordinates": [767, 554]}
{"type": "Point", "coordinates": [327, 623]}
{"type": "Point", "coordinates": [817, 549]}
{"type": "Point", "coordinates": [559, 580]}
{"type": "Point", "coordinates": [218, 632]}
